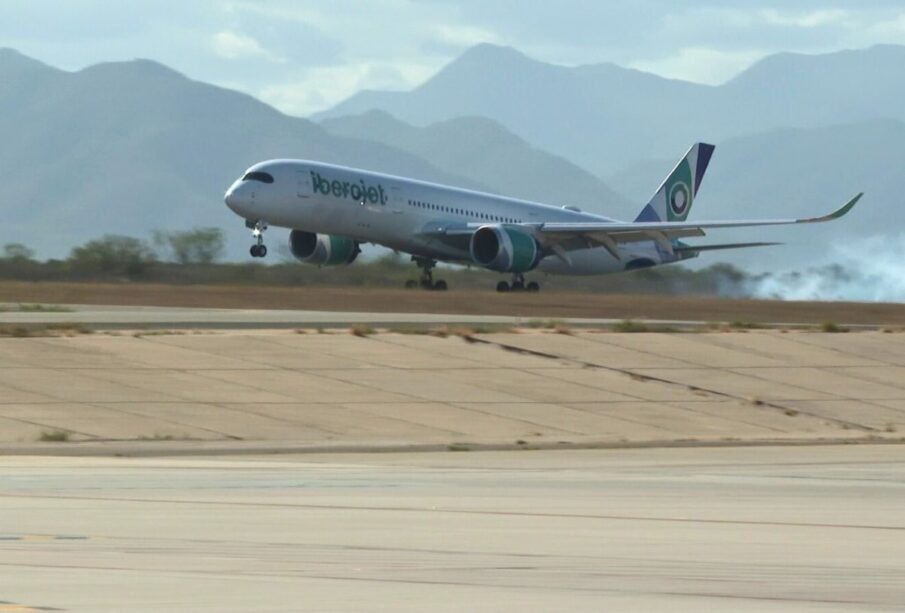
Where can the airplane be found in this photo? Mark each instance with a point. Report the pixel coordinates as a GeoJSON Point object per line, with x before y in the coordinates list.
{"type": "Point", "coordinates": [332, 210]}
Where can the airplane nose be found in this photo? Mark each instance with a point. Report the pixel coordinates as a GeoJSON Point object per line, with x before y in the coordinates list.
{"type": "Point", "coordinates": [233, 199]}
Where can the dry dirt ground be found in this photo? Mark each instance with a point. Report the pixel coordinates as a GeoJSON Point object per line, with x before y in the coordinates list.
{"type": "Point", "coordinates": [471, 302]}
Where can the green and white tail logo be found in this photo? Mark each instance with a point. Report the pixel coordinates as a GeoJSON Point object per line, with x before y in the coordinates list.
{"type": "Point", "coordinates": [672, 202]}
{"type": "Point", "coordinates": [678, 192]}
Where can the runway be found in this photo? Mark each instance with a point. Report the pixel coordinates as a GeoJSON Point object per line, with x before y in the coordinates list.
{"type": "Point", "coordinates": [333, 304]}
{"type": "Point", "coordinates": [283, 391]}
{"type": "Point", "coordinates": [224, 513]}
{"type": "Point", "coordinates": [765, 529]}
{"type": "Point", "coordinates": [118, 317]}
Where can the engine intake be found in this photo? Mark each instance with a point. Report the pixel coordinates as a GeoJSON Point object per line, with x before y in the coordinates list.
{"type": "Point", "coordinates": [322, 249]}
{"type": "Point", "coordinates": [505, 249]}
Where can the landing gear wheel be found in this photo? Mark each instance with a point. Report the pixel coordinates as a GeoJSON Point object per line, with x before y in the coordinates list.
{"type": "Point", "coordinates": [517, 286]}
{"type": "Point", "coordinates": [502, 286]}
{"type": "Point", "coordinates": [427, 274]}
{"type": "Point", "coordinates": [534, 286]}
{"type": "Point", "coordinates": [411, 284]}
{"type": "Point", "coordinates": [258, 250]}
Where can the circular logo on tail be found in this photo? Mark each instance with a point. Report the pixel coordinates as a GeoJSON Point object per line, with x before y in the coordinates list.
{"type": "Point", "coordinates": [678, 199]}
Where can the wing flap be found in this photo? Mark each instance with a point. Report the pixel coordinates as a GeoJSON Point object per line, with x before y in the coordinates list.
{"type": "Point", "coordinates": [699, 248]}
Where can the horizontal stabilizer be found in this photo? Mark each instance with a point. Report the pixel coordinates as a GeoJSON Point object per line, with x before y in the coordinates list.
{"type": "Point", "coordinates": [697, 248]}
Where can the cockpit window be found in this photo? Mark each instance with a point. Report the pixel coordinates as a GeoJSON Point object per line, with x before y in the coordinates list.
{"type": "Point", "coordinates": [263, 177]}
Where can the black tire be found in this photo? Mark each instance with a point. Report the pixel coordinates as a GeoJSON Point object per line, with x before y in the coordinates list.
{"type": "Point", "coordinates": [411, 284]}
{"type": "Point", "coordinates": [518, 286]}
{"type": "Point", "coordinates": [440, 286]}
{"type": "Point", "coordinates": [253, 251]}
{"type": "Point", "coordinates": [533, 286]}
{"type": "Point", "coordinates": [262, 251]}
{"type": "Point", "coordinates": [502, 286]}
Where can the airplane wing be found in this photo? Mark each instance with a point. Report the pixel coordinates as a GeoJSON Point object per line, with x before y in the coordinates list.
{"type": "Point", "coordinates": [569, 236]}
{"type": "Point", "coordinates": [563, 237]}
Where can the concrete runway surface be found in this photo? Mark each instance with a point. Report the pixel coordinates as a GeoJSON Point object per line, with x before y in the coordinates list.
{"type": "Point", "coordinates": [241, 388]}
{"type": "Point", "coordinates": [131, 317]}
{"type": "Point", "coordinates": [744, 529]}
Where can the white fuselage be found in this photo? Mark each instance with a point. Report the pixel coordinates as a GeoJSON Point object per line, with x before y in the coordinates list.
{"type": "Point", "coordinates": [404, 214]}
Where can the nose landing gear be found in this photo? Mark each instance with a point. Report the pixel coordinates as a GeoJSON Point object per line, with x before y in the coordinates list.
{"type": "Point", "coordinates": [259, 249]}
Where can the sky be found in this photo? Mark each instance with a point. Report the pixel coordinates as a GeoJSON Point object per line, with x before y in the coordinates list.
{"type": "Point", "coordinates": [304, 56]}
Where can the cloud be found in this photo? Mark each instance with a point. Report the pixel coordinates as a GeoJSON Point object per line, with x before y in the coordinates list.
{"type": "Point", "coordinates": [701, 65]}
{"type": "Point", "coordinates": [271, 49]}
{"type": "Point", "coordinates": [325, 86]}
{"type": "Point", "coordinates": [465, 36]}
{"type": "Point", "coordinates": [233, 46]}
{"type": "Point", "coordinates": [812, 19]}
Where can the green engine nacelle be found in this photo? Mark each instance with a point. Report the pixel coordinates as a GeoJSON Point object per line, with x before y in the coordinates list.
{"type": "Point", "coordinates": [322, 249]}
{"type": "Point", "coordinates": [505, 249]}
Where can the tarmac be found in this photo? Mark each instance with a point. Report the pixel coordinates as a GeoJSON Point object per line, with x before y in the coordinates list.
{"type": "Point", "coordinates": [743, 529]}
{"type": "Point", "coordinates": [235, 468]}
{"type": "Point", "coordinates": [132, 317]}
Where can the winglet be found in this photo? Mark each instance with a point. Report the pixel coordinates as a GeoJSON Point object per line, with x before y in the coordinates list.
{"type": "Point", "coordinates": [842, 211]}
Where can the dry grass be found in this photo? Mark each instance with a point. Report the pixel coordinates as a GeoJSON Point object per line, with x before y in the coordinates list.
{"type": "Point", "coordinates": [54, 436]}
{"type": "Point", "coordinates": [630, 326]}
{"type": "Point", "coordinates": [832, 327]}
{"type": "Point", "coordinates": [362, 330]}
{"type": "Point", "coordinates": [34, 308]}
{"type": "Point", "coordinates": [745, 325]}
{"type": "Point", "coordinates": [62, 329]}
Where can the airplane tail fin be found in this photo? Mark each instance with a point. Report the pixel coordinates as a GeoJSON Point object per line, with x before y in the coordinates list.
{"type": "Point", "coordinates": [673, 200]}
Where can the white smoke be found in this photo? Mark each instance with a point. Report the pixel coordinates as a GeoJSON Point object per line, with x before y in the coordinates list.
{"type": "Point", "coordinates": [866, 270]}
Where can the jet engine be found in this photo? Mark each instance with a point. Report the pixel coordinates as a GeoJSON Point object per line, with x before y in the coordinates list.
{"type": "Point", "coordinates": [505, 249]}
{"type": "Point", "coordinates": [322, 249]}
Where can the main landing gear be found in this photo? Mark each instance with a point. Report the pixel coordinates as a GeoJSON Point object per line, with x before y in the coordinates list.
{"type": "Point", "coordinates": [259, 249]}
{"type": "Point", "coordinates": [518, 285]}
{"type": "Point", "coordinates": [427, 276]}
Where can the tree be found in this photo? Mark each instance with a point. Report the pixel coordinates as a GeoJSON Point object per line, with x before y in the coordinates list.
{"type": "Point", "coordinates": [112, 253]}
{"type": "Point", "coordinates": [17, 251]}
{"type": "Point", "coordinates": [196, 246]}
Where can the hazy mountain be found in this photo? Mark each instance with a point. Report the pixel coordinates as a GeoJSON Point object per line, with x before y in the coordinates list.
{"type": "Point", "coordinates": [484, 151]}
{"type": "Point", "coordinates": [796, 173]}
{"type": "Point", "coordinates": [131, 146]}
{"type": "Point", "coordinates": [605, 118]}
{"type": "Point", "coordinates": [128, 147]}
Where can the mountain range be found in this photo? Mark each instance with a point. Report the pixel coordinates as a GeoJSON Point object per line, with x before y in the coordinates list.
{"type": "Point", "coordinates": [605, 118]}
{"type": "Point", "coordinates": [128, 147]}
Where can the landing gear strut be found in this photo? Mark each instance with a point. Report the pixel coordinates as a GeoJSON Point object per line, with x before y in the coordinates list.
{"type": "Point", "coordinates": [427, 276]}
{"type": "Point", "coordinates": [259, 249]}
{"type": "Point", "coordinates": [518, 285]}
